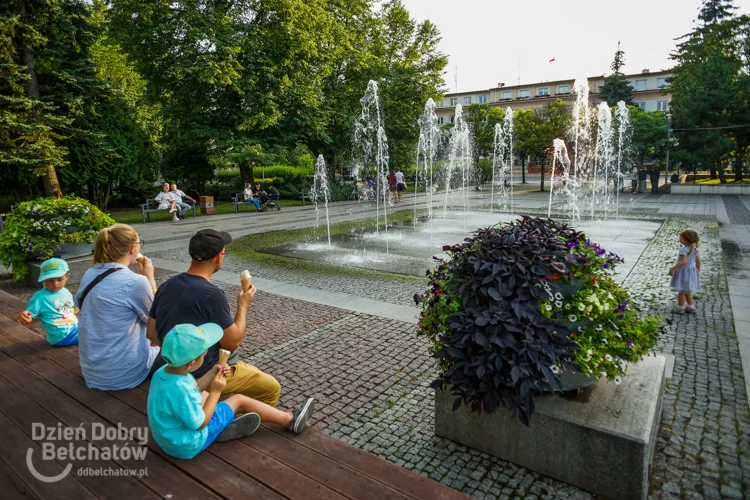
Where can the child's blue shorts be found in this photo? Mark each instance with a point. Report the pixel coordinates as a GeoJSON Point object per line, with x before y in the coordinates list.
{"type": "Point", "coordinates": [220, 420]}
{"type": "Point", "coordinates": [71, 339]}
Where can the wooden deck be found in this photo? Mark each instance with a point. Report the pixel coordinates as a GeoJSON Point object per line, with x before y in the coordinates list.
{"type": "Point", "coordinates": [40, 383]}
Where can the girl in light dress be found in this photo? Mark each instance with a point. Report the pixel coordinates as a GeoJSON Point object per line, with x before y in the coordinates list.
{"type": "Point", "coordinates": [686, 273]}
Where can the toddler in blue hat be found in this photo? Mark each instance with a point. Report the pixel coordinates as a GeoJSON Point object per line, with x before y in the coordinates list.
{"type": "Point", "coordinates": [185, 414]}
{"type": "Point", "coordinates": [53, 305]}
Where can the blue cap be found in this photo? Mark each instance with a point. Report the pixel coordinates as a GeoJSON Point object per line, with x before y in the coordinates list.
{"type": "Point", "coordinates": [186, 342]}
{"type": "Point", "coordinates": [53, 268]}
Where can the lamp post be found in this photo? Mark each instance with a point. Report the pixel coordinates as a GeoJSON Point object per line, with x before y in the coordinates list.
{"type": "Point", "coordinates": [669, 146]}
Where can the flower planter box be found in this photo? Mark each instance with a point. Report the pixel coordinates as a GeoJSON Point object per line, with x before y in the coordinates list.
{"type": "Point", "coordinates": [601, 440]}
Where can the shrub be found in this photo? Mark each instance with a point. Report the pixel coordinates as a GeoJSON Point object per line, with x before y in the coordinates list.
{"type": "Point", "coordinates": [292, 175]}
{"type": "Point", "coordinates": [513, 307]}
{"type": "Point", "coordinates": [40, 227]}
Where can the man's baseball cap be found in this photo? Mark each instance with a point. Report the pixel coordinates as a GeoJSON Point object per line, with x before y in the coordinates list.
{"type": "Point", "coordinates": [186, 342]}
{"type": "Point", "coordinates": [208, 243]}
{"type": "Point", "coordinates": [53, 268]}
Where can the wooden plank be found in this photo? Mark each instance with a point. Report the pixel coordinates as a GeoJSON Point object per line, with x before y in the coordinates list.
{"type": "Point", "coordinates": [163, 477]}
{"type": "Point", "coordinates": [13, 452]}
{"type": "Point", "coordinates": [284, 479]}
{"type": "Point", "coordinates": [398, 478]}
{"type": "Point", "coordinates": [13, 487]}
{"type": "Point", "coordinates": [339, 477]}
{"type": "Point", "coordinates": [22, 411]}
{"type": "Point", "coordinates": [205, 468]}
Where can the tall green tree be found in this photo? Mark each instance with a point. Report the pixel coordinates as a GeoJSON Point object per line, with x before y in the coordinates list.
{"type": "Point", "coordinates": [535, 130]}
{"type": "Point", "coordinates": [616, 87]}
{"type": "Point", "coordinates": [649, 134]}
{"type": "Point", "coordinates": [706, 87]}
{"type": "Point", "coordinates": [481, 120]}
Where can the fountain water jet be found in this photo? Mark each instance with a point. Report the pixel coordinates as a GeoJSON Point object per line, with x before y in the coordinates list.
{"type": "Point", "coordinates": [623, 135]}
{"type": "Point", "coordinates": [459, 157]}
{"type": "Point", "coordinates": [569, 188]}
{"type": "Point", "coordinates": [321, 193]}
{"type": "Point", "coordinates": [427, 147]}
{"type": "Point", "coordinates": [503, 158]}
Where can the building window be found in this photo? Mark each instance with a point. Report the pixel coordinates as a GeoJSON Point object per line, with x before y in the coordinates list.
{"type": "Point", "coordinates": [440, 120]}
{"type": "Point", "coordinates": [662, 105]}
{"type": "Point", "coordinates": [542, 91]}
{"type": "Point", "coordinates": [661, 83]}
{"type": "Point", "coordinates": [467, 100]}
{"type": "Point", "coordinates": [439, 104]}
{"type": "Point", "coordinates": [454, 101]}
{"type": "Point", "coordinates": [641, 105]}
{"type": "Point", "coordinates": [452, 118]}
{"type": "Point", "coordinates": [640, 85]}
{"type": "Point", "coordinates": [506, 94]}
{"type": "Point", "coordinates": [482, 99]}
{"type": "Point", "coordinates": [524, 93]}
{"type": "Point", "coordinates": [563, 89]}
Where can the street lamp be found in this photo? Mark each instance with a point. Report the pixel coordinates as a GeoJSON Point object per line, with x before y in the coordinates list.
{"type": "Point", "coordinates": [669, 146]}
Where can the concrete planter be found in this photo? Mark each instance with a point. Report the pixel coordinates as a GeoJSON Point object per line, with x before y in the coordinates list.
{"type": "Point", "coordinates": [601, 440]}
{"type": "Point", "coordinates": [710, 189]}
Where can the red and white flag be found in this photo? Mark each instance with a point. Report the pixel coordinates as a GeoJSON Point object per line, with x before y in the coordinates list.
{"type": "Point", "coordinates": [552, 60]}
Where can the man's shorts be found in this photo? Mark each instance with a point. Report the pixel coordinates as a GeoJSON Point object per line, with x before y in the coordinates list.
{"type": "Point", "coordinates": [220, 420]}
{"type": "Point", "coordinates": [401, 186]}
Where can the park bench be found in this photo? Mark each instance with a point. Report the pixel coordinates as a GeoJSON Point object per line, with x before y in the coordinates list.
{"type": "Point", "coordinates": [305, 196]}
{"type": "Point", "coordinates": [152, 206]}
{"type": "Point", "coordinates": [44, 385]}
{"type": "Point", "coordinates": [239, 199]}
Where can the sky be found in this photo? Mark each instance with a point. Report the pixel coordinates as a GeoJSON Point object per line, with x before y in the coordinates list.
{"type": "Point", "coordinates": [486, 39]}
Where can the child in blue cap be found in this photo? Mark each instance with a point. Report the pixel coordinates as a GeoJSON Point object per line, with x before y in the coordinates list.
{"type": "Point", "coordinates": [53, 305]}
{"type": "Point", "coordinates": [185, 422]}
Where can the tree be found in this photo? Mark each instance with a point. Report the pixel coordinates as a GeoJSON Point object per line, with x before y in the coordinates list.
{"type": "Point", "coordinates": [616, 87]}
{"type": "Point", "coordinates": [535, 131]}
{"type": "Point", "coordinates": [649, 134]}
{"type": "Point", "coordinates": [481, 120]}
{"type": "Point", "coordinates": [707, 87]}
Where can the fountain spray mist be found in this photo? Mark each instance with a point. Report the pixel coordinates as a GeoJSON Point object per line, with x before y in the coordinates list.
{"type": "Point", "coordinates": [569, 189]}
{"type": "Point", "coordinates": [623, 135]}
{"type": "Point", "coordinates": [459, 157]}
{"type": "Point", "coordinates": [427, 147]}
{"type": "Point", "coordinates": [502, 162]}
{"type": "Point", "coordinates": [604, 178]}
{"type": "Point", "coordinates": [321, 193]}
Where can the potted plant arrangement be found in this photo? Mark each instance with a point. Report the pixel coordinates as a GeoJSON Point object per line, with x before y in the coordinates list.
{"type": "Point", "coordinates": [41, 228]}
{"type": "Point", "coordinates": [516, 308]}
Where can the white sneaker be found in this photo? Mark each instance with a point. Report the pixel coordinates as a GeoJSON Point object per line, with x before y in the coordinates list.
{"type": "Point", "coordinates": [172, 210]}
{"type": "Point", "coordinates": [175, 218]}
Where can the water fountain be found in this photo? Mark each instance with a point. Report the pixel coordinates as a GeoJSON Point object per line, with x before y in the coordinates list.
{"type": "Point", "coordinates": [502, 162]}
{"type": "Point", "coordinates": [622, 116]}
{"type": "Point", "coordinates": [604, 174]}
{"type": "Point", "coordinates": [570, 188]}
{"type": "Point", "coordinates": [459, 158]}
{"type": "Point", "coordinates": [321, 193]}
{"type": "Point", "coordinates": [371, 145]}
{"type": "Point", "coordinates": [427, 149]}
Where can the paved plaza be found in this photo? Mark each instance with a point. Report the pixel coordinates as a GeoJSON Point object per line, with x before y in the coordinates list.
{"type": "Point", "coordinates": [346, 336]}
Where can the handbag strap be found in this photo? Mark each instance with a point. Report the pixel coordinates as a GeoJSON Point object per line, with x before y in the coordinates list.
{"type": "Point", "coordinates": [95, 282]}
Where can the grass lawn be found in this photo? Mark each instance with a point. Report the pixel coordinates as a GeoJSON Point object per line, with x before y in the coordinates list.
{"type": "Point", "coordinates": [133, 215]}
{"type": "Point", "coordinates": [718, 181]}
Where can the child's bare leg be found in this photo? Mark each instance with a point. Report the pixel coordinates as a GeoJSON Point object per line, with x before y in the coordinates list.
{"type": "Point", "coordinates": [244, 404]}
{"type": "Point", "coordinates": [681, 299]}
{"type": "Point", "coordinates": [689, 298]}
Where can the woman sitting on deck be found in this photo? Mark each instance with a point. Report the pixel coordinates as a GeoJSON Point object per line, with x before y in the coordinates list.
{"type": "Point", "coordinates": [114, 351]}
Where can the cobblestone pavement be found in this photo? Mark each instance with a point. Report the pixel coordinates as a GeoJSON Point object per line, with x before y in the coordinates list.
{"type": "Point", "coordinates": [736, 210]}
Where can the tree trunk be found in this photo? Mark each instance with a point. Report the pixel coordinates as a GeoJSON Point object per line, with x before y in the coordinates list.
{"type": "Point", "coordinates": [712, 171]}
{"type": "Point", "coordinates": [246, 175]}
{"type": "Point", "coordinates": [51, 183]}
{"type": "Point", "coordinates": [541, 175]}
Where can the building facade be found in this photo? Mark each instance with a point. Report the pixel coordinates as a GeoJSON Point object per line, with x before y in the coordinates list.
{"type": "Point", "coordinates": [651, 94]}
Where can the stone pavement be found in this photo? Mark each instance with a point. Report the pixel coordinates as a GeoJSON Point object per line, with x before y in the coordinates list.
{"type": "Point", "coordinates": [356, 352]}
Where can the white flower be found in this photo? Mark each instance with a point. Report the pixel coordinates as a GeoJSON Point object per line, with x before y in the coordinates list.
{"type": "Point", "coordinates": [558, 303]}
{"type": "Point", "coordinates": [572, 318]}
{"type": "Point", "coordinates": [589, 352]}
{"type": "Point", "coordinates": [581, 307]}
{"type": "Point", "coordinates": [598, 328]}
{"type": "Point", "coordinates": [618, 380]}
{"type": "Point", "coordinates": [548, 307]}
{"type": "Point", "coordinates": [558, 296]}
{"type": "Point", "coordinates": [604, 341]}
{"type": "Point", "coordinates": [608, 357]}
{"type": "Point", "coordinates": [618, 335]}
{"type": "Point", "coordinates": [554, 369]}
{"type": "Point", "coordinates": [580, 329]}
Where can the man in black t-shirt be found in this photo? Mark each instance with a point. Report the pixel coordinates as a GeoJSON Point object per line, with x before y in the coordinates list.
{"type": "Point", "coordinates": [191, 298]}
{"type": "Point", "coordinates": [654, 174]}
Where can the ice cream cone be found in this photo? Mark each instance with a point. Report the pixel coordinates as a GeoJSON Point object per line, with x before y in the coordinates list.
{"type": "Point", "coordinates": [223, 357]}
{"type": "Point", "coordinates": [246, 280]}
{"type": "Point", "coordinates": [141, 258]}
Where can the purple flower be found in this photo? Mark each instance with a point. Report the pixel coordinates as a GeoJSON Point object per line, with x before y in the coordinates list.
{"type": "Point", "coordinates": [571, 244]}
{"type": "Point", "coordinates": [601, 251]}
{"type": "Point", "coordinates": [630, 344]}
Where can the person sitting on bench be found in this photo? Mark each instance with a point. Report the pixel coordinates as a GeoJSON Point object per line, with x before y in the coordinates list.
{"type": "Point", "coordinates": [166, 200]}
{"type": "Point", "coordinates": [248, 195]}
{"type": "Point", "coordinates": [178, 195]}
{"type": "Point", "coordinates": [260, 194]}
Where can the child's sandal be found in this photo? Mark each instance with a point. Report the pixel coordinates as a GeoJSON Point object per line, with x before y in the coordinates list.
{"type": "Point", "coordinates": [690, 309]}
{"type": "Point", "coordinates": [679, 310]}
